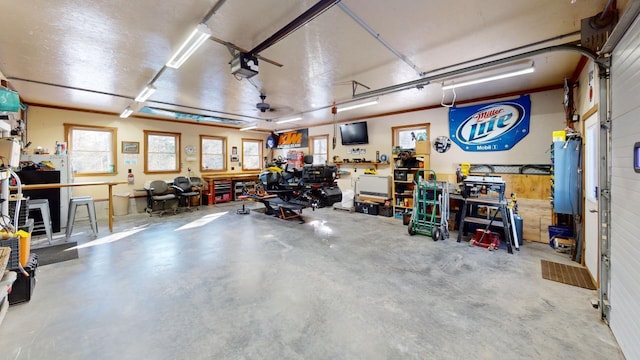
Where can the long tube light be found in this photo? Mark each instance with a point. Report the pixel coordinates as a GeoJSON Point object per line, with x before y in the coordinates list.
{"type": "Point", "coordinates": [356, 106]}
{"type": "Point", "coordinates": [283, 131]}
{"type": "Point", "coordinates": [145, 93]}
{"type": "Point", "coordinates": [193, 42]}
{"type": "Point", "coordinates": [126, 113]}
{"type": "Point", "coordinates": [528, 70]}
{"type": "Point", "coordinates": [249, 128]}
{"type": "Point", "coordinates": [288, 120]}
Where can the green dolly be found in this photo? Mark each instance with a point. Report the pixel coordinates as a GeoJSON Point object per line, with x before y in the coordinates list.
{"type": "Point", "coordinates": [430, 207]}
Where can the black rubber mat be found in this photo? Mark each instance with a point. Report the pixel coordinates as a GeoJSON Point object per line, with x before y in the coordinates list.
{"type": "Point", "coordinates": [56, 253]}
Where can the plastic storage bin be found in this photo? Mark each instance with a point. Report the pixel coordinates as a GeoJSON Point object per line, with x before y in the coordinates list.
{"type": "Point", "coordinates": [560, 231]}
{"type": "Point", "coordinates": [14, 257]}
{"type": "Point", "coordinates": [367, 208]}
{"type": "Point", "coordinates": [22, 288]}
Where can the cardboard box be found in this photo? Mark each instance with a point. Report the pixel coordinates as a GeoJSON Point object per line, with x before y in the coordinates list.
{"type": "Point", "coordinates": [423, 147]}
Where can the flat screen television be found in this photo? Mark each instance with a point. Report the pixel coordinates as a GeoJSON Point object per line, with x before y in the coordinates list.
{"type": "Point", "coordinates": [354, 133]}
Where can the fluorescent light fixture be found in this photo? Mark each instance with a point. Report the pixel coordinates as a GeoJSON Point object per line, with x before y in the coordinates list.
{"type": "Point", "coordinates": [289, 120]}
{"type": "Point", "coordinates": [197, 38]}
{"type": "Point", "coordinates": [283, 131]}
{"type": "Point", "coordinates": [340, 109]}
{"type": "Point", "coordinates": [249, 128]}
{"type": "Point", "coordinates": [145, 93]}
{"type": "Point", "coordinates": [125, 114]}
{"type": "Point", "coordinates": [489, 78]}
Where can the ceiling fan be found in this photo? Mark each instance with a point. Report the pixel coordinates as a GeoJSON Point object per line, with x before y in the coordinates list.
{"type": "Point", "coordinates": [262, 105]}
{"type": "Point", "coordinates": [320, 7]}
{"type": "Point", "coordinates": [273, 110]}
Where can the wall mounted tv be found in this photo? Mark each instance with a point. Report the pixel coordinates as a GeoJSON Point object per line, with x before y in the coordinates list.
{"type": "Point", "coordinates": [354, 133]}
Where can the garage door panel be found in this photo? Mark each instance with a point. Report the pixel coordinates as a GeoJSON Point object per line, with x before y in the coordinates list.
{"type": "Point", "coordinates": [625, 247]}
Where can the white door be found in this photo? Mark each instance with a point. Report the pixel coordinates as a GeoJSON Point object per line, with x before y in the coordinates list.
{"type": "Point", "coordinates": [591, 236]}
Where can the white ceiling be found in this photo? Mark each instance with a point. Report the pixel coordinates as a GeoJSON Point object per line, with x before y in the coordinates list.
{"type": "Point", "coordinates": [98, 55]}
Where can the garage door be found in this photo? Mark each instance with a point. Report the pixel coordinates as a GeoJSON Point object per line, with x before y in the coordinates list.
{"type": "Point", "coordinates": [624, 294]}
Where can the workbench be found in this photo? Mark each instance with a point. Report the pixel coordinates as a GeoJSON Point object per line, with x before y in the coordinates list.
{"type": "Point", "coordinates": [467, 215]}
{"type": "Point", "coordinates": [109, 184]}
{"type": "Point", "coordinates": [220, 186]}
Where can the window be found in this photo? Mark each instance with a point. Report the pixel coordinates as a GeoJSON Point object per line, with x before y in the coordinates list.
{"type": "Point", "coordinates": [162, 151]}
{"type": "Point", "coordinates": [251, 154]}
{"type": "Point", "coordinates": [212, 153]}
{"type": "Point", "coordinates": [405, 136]}
{"type": "Point", "coordinates": [320, 149]}
{"type": "Point", "coordinates": [591, 162]}
{"type": "Point", "coordinates": [91, 149]}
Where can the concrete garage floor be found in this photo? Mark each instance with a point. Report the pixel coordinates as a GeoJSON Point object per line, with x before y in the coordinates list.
{"type": "Point", "coordinates": [216, 285]}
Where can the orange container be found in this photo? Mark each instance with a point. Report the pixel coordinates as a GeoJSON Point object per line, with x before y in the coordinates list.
{"type": "Point", "coordinates": [25, 246]}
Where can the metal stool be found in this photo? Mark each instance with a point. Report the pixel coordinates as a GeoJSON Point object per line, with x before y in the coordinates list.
{"type": "Point", "coordinates": [43, 206]}
{"type": "Point", "coordinates": [91, 209]}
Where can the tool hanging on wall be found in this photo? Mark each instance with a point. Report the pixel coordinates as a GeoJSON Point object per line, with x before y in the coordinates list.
{"type": "Point", "coordinates": [334, 111]}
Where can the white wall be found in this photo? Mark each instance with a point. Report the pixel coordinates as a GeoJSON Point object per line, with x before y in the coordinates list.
{"type": "Point", "coordinates": [547, 115]}
{"type": "Point", "coordinates": [45, 126]}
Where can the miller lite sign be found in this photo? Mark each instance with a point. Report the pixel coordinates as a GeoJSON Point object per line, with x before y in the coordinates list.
{"type": "Point", "coordinates": [490, 127]}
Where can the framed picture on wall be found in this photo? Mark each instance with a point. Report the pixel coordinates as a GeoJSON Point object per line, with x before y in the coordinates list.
{"type": "Point", "coordinates": [130, 147]}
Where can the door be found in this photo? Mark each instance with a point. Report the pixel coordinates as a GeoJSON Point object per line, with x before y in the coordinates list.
{"type": "Point", "coordinates": [591, 219]}
{"type": "Point", "coordinates": [621, 262]}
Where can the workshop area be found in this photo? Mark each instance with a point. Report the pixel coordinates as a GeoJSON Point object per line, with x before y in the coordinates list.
{"type": "Point", "coordinates": [216, 284]}
{"type": "Point", "coordinates": [320, 179]}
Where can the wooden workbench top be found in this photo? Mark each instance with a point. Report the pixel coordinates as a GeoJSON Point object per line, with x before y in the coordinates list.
{"type": "Point", "coordinates": [229, 176]}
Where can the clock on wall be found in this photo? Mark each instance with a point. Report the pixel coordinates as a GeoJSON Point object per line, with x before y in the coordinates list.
{"type": "Point", "coordinates": [190, 149]}
{"type": "Point", "coordinates": [442, 144]}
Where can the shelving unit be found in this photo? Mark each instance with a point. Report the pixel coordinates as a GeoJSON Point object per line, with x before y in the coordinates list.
{"type": "Point", "coordinates": [239, 186]}
{"type": "Point", "coordinates": [403, 181]}
{"type": "Point", "coordinates": [221, 191]}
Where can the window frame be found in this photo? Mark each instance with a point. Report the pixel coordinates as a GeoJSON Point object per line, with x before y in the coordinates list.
{"type": "Point", "coordinates": [312, 139]}
{"type": "Point", "coordinates": [68, 130]}
{"type": "Point", "coordinates": [178, 164]}
{"type": "Point", "coordinates": [224, 152]}
{"type": "Point", "coordinates": [260, 153]}
{"type": "Point", "coordinates": [396, 129]}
